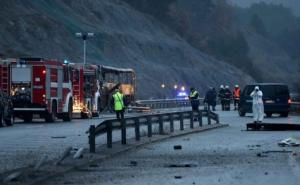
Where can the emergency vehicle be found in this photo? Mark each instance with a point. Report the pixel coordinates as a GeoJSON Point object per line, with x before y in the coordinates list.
{"type": "Point", "coordinates": [38, 86]}
{"type": "Point", "coordinates": [86, 90]}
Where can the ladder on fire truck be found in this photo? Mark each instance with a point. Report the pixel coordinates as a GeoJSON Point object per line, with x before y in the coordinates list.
{"type": "Point", "coordinates": [4, 75]}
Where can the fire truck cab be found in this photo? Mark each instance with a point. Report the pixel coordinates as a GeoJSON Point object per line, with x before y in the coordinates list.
{"type": "Point", "coordinates": [86, 90]}
{"type": "Point", "coordinates": [38, 86]}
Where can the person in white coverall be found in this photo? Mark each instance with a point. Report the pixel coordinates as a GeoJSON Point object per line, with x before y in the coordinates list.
{"type": "Point", "coordinates": [257, 105]}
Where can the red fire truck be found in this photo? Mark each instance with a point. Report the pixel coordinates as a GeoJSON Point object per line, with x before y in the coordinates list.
{"type": "Point", "coordinates": [86, 90]}
{"type": "Point", "coordinates": [38, 86]}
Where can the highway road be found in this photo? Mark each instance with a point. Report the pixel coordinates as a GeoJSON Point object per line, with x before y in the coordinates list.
{"type": "Point", "coordinates": [222, 156]}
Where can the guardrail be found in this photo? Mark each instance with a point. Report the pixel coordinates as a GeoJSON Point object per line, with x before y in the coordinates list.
{"type": "Point", "coordinates": [295, 106]}
{"type": "Point", "coordinates": [109, 125]}
{"type": "Point", "coordinates": [166, 103]}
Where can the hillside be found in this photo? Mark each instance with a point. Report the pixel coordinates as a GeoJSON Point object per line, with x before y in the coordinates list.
{"type": "Point", "coordinates": [124, 37]}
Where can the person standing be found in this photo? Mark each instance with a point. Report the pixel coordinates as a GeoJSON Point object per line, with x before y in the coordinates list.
{"type": "Point", "coordinates": [118, 98]}
{"type": "Point", "coordinates": [236, 96]}
{"type": "Point", "coordinates": [257, 105]}
{"type": "Point", "coordinates": [194, 98]}
{"type": "Point", "coordinates": [221, 96]}
{"type": "Point", "coordinates": [210, 98]}
{"type": "Point", "coordinates": [227, 98]}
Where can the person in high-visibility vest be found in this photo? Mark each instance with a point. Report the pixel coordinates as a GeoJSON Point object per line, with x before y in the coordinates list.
{"type": "Point", "coordinates": [236, 96]}
{"type": "Point", "coordinates": [194, 98]}
{"type": "Point", "coordinates": [119, 107]}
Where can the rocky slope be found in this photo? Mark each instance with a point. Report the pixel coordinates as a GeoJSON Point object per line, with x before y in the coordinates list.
{"type": "Point", "coordinates": [124, 37]}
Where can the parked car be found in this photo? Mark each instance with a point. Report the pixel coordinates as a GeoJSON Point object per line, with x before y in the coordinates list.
{"type": "Point", "coordinates": [6, 110]}
{"type": "Point", "coordinates": [276, 98]}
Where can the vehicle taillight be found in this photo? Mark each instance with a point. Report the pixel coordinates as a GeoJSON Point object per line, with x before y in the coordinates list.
{"type": "Point", "coordinates": [44, 71]}
{"type": "Point", "coordinates": [289, 101]}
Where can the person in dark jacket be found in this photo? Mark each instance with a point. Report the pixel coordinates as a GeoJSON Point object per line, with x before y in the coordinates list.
{"type": "Point", "coordinates": [211, 98]}
{"type": "Point", "coordinates": [227, 97]}
{"type": "Point", "coordinates": [221, 96]}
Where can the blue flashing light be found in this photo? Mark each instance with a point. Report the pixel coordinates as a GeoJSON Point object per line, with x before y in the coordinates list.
{"type": "Point", "coordinates": [66, 61]}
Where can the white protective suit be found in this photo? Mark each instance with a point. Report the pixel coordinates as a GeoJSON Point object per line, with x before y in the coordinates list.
{"type": "Point", "coordinates": [257, 105]}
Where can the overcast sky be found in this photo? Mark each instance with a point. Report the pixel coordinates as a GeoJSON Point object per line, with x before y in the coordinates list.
{"type": "Point", "coordinates": [293, 4]}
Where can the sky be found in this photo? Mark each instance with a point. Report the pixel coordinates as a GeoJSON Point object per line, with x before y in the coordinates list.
{"type": "Point", "coordinates": [293, 4]}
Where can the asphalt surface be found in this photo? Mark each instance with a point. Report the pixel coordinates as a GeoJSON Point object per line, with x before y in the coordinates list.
{"type": "Point", "coordinates": [224, 156]}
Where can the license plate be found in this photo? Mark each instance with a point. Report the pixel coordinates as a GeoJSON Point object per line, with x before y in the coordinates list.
{"type": "Point", "coordinates": [269, 101]}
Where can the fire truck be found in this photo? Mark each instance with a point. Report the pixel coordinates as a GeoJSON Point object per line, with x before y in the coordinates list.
{"type": "Point", "coordinates": [38, 86]}
{"type": "Point", "coordinates": [86, 90]}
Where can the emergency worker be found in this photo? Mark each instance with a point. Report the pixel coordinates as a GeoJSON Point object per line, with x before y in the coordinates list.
{"type": "Point", "coordinates": [210, 98]}
{"type": "Point", "coordinates": [119, 107]}
{"type": "Point", "coordinates": [194, 98]}
{"type": "Point", "coordinates": [221, 96]}
{"type": "Point", "coordinates": [227, 97]}
{"type": "Point", "coordinates": [257, 105]}
{"type": "Point", "coordinates": [236, 96]}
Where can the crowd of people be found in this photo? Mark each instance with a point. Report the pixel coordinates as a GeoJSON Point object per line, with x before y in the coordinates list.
{"type": "Point", "coordinates": [225, 95]}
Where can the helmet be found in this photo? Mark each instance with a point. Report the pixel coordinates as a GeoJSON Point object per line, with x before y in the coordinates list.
{"type": "Point", "coordinates": [222, 86]}
{"type": "Point", "coordinates": [256, 88]}
{"type": "Point", "coordinates": [226, 87]}
{"type": "Point", "coordinates": [236, 86]}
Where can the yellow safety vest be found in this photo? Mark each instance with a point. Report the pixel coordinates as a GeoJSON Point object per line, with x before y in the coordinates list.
{"type": "Point", "coordinates": [118, 101]}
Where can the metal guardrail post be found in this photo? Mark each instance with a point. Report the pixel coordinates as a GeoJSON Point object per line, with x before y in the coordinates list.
{"type": "Point", "coordinates": [92, 139]}
{"type": "Point", "coordinates": [217, 119]}
{"type": "Point", "coordinates": [191, 119]}
{"type": "Point", "coordinates": [149, 125]}
{"type": "Point", "coordinates": [181, 121]}
{"type": "Point", "coordinates": [109, 134]}
{"type": "Point", "coordinates": [137, 129]}
{"type": "Point", "coordinates": [123, 131]}
{"type": "Point", "coordinates": [171, 122]}
{"type": "Point", "coordinates": [161, 124]}
{"type": "Point", "coordinates": [200, 118]}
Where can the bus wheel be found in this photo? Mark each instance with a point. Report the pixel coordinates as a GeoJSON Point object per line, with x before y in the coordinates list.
{"type": "Point", "coordinates": [68, 116]}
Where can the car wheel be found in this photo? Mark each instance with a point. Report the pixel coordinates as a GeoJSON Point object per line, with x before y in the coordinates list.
{"type": "Point", "coordinates": [241, 112]}
{"type": "Point", "coordinates": [269, 114]}
{"type": "Point", "coordinates": [1, 118]}
{"type": "Point", "coordinates": [284, 114]}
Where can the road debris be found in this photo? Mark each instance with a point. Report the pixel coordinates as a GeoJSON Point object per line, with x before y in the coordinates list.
{"type": "Point", "coordinates": [79, 153]}
{"type": "Point", "coordinates": [40, 163]}
{"type": "Point", "coordinates": [133, 163]}
{"type": "Point", "coordinates": [177, 147]}
{"type": "Point", "coordinates": [58, 137]}
{"type": "Point", "coordinates": [177, 177]}
{"type": "Point", "coordinates": [291, 141]}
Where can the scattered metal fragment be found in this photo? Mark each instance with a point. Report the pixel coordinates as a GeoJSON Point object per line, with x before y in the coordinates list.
{"type": "Point", "coordinates": [177, 177]}
{"type": "Point", "coordinates": [133, 163]}
{"type": "Point", "coordinates": [79, 153]}
{"type": "Point", "coordinates": [177, 147]}
{"type": "Point", "coordinates": [13, 177]}
{"type": "Point", "coordinates": [291, 141]}
{"type": "Point", "coordinates": [58, 137]}
{"type": "Point", "coordinates": [181, 165]}
{"type": "Point", "coordinates": [261, 155]}
{"type": "Point", "coordinates": [277, 151]}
